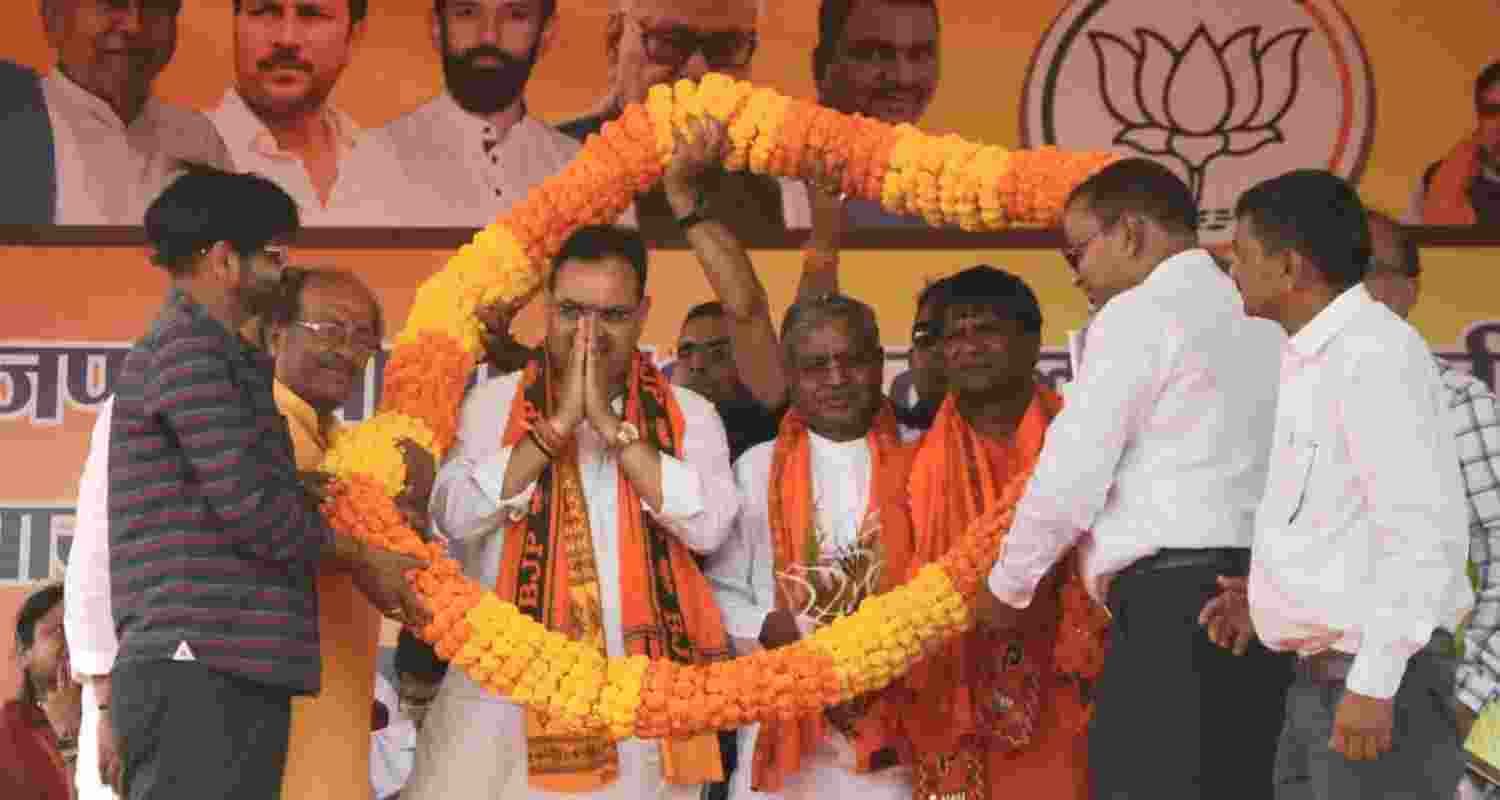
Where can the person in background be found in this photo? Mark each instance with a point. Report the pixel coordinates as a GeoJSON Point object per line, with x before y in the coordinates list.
{"type": "Point", "coordinates": [653, 41]}
{"type": "Point", "coordinates": [821, 528]}
{"type": "Point", "coordinates": [32, 764]}
{"type": "Point", "coordinates": [1361, 536]}
{"type": "Point", "coordinates": [918, 392]}
{"type": "Point", "coordinates": [475, 146]}
{"type": "Point", "coordinates": [1394, 278]}
{"type": "Point", "coordinates": [878, 58]}
{"type": "Point", "coordinates": [115, 145]}
{"type": "Point", "coordinates": [212, 531]}
{"type": "Point", "coordinates": [1464, 188]}
{"type": "Point", "coordinates": [279, 121]}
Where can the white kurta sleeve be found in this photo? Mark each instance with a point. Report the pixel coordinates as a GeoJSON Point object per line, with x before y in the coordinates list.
{"type": "Point", "coordinates": [88, 621]}
{"type": "Point", "coordinates": [699, 500]}
{"type": "Point", "coordinates": [466, 497]}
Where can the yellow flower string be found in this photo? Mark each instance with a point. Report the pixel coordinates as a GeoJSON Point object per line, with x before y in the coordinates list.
{"type": "Point", "coordinates": [946, 180]}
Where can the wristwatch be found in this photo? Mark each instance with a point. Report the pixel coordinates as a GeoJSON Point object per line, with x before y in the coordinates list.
{"type": "Point", "coordinates": [626, 435]}
{"type": "Point", "coordinates": [698, 214]}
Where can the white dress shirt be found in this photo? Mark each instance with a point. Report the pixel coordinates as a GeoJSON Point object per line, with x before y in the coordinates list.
{"type": "Point", "coordinates": [1165, 437]}
{"type": "Point", "coordinates": [359, 197]}
{"type": "Point", "coordinates": [88, 622]}
{"type": "Point", "coordinates": [742, 572]}
{"type": "Point", "coordinates": [1362, 536]}
{"type": "Point", "coordinates": [109, 172]}
{"type": "Point", "coordinates": [472, 742]}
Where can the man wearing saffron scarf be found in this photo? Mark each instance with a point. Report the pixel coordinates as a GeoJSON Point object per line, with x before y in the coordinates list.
{"type": "Point", "coordinates": [992, 715]}
{"type": "Point", "coordinates": [818, 532]}
{"type": "Point", "coordinates": [1464, 188]}
{"type": "Point", "coordinates": [584, 487]}
{"type": "Point", "coordinates": [1154, 471]}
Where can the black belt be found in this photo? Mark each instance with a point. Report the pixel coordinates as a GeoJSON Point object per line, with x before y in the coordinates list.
{"type": "Point", "coordinates": [1227, 560]}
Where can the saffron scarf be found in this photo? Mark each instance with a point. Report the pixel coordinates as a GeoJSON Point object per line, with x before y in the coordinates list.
{"type": "Point", "coordinates": [782, 744]}
{"type": "Point", "coordinates": [547, 568]}
{"type": "Point", "coordinates": [1447, 198]}
{"type": "Point", "coordinates": [984, 692]}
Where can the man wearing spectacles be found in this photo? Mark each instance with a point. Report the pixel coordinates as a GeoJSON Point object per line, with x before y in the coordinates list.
{"type": "Point", "coordinates": [878, 58]}
{"type": "Point", "coordinates": [655, 41]}
{"type": "Point", "coordinates": [1464, 188]}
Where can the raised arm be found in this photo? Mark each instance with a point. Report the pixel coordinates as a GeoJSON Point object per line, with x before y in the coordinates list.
{"type": "Point", "coordinates": [727, 266]}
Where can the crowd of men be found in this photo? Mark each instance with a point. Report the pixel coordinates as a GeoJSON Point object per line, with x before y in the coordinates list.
{"type": "Point", "coordinates": [1266, 488]}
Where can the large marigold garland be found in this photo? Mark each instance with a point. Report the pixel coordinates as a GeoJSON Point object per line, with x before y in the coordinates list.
{"type": "Point", "coordinates": [946, 180]}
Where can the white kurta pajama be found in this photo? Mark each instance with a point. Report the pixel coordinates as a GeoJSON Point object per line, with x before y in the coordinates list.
{"type": "Point", "coordinates": [742, 573]}
{"type": "Point", "coordinates": [473, 743]}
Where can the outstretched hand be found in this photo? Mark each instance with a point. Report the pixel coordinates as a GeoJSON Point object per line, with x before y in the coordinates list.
{"type": "Point", "coordinates": [699, 146]}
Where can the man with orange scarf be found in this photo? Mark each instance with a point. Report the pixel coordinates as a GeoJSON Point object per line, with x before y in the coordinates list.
{"type": "Point", "coordinates": [1464, 188]}
{"type": "Point", "coordinates": [583, 489]}
{"type": "Point", "coordinates": [998, 713]}
{"type": "Point", "coordinates": [819, 531]}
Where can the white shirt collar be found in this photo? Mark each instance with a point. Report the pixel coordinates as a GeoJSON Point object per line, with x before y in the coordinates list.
{"type": "Point", "coordinates": [85, 101]}
{"type": "Point", "coordinates": [244, 122]}
{"type": "Point", "coordinates": [1333, 318]}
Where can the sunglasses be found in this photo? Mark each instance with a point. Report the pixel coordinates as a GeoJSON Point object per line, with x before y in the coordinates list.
{"type": "Point", "coordinates": [673, 46]}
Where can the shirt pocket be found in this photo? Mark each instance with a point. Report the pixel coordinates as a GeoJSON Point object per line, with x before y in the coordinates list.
{"type": "Point", "coordinates": [1304, 457]}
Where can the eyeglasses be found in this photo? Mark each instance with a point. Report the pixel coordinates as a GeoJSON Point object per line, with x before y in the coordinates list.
{"type": "Point", "coordinates": [926, 335]}
{"type": "Point", "coordinates": [673, 46]}
{"type": "Point", "coordinates": [1074, 255]}
{"type": "Point", "coordinates": [569, 311]}
{"type": "Point", "coordinates": [1488, 110]}
{"type": "Point", "coordinates": [713, 349]}
{"type": "Point", "coordinates": [339, 334]}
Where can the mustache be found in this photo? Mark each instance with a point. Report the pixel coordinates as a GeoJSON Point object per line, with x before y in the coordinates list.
{"type": "Point", "coordinates": [283, 58]}
{"type": "Point", "coordinates": [505, 60]}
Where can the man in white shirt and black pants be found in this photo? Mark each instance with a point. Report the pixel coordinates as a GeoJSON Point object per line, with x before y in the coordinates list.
{"type": "Point", "coordinates": [1154, 468]}
{"type": "Point", "coordinates": [1361, 539]}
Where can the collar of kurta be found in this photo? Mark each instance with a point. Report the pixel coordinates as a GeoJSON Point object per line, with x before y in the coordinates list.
{"type": "Point", "coordinates": [1334, 317]}
{"type": "Point", "coordinates": [245, 125]}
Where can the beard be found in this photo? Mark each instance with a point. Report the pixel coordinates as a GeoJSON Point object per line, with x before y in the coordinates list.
{"type": "Point", "coordinates": [487, 89]}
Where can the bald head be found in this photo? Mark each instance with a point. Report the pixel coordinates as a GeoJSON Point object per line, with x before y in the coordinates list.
{"type": "Point", "coordinates": [1394, 277]}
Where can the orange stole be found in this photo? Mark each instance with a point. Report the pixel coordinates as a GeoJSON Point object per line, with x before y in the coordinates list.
{"type": "Point", "coordinates": [1447, 198]}
{"type": "Point", "coordinates": [328, 749]}
{"type": "Point", "coordinates": [669, 611]}
{"type": "Point", "coordinates": [986, 696]}
{"type": "Point", "coordinates": [781, 745]}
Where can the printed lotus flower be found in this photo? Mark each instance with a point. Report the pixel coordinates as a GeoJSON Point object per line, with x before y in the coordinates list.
{"type": "Point", "coordinates": [1202, 101]}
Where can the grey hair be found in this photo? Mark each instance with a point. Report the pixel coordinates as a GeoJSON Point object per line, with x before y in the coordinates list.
{"type": "Point", "coordinates": [808, 315]}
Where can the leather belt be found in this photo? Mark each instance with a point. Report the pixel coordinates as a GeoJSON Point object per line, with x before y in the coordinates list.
{"type": "Point", "coordinates": [1228, 560]}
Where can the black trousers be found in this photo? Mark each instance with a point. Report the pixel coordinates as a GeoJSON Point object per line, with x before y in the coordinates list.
{"type": "Point", "coordinates": [1176, 716]}
{"type": "Point", "coordinates": [187, 732]}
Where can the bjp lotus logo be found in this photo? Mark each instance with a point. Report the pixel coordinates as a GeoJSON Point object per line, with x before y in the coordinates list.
{"type": "Point", "coordinates": [1225, 95]}
{"type": "Point", "coordinates": [1200, 101]}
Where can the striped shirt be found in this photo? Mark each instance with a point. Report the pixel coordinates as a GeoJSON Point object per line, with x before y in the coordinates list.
{"type": "Point", "coordinates": [213, 544]}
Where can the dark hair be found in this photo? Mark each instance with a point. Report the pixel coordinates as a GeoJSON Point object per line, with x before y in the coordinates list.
{"type": "Point", "coordinates": [1410, 264]}
{"type": "Point", "coordinates": [712, 308]}
{"type": "Point", "coordinates": [805, 315]}
{"type": "Point", "coordinates": [36, 606]}
{"type": "Point", "coordinates": [357, 10]}
{"type": "Point", "coordinates": [984, 286]}
{"type": "Point", "coordinates": [833, 18]}
{"type": "Point", "coordinates": [1488, 77]}
{"type": "Point", "coordinates": [416, 657]}
{"type": "Point", "coordinates": [549, 7]}
{"type": "Point", "coordinates": [286, 307]}
{"type": "Point", "coordinates": [1315, 214]}
{"type": "Point", "coordinates": [934, 292]}
{"type": "Point", "coordinates": [595, 242]}
{"type": "Point", "coordinates": [208, 205]}
{"type": "Point", "coordinates": [1139, 186]}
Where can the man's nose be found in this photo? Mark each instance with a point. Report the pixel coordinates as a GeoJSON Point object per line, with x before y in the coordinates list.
{"type": "Point", "coordinates": [695, 67]}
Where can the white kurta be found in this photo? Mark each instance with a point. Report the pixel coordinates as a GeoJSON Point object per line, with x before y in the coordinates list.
{"type": "Point", "coordinates": [109, 172]}
{"type": "Point", "coordinates": [472, 743]}
{"type": "Point", "coordinates": [88, 622]}
{"type": "Point", "coordinates": [742, 573]}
